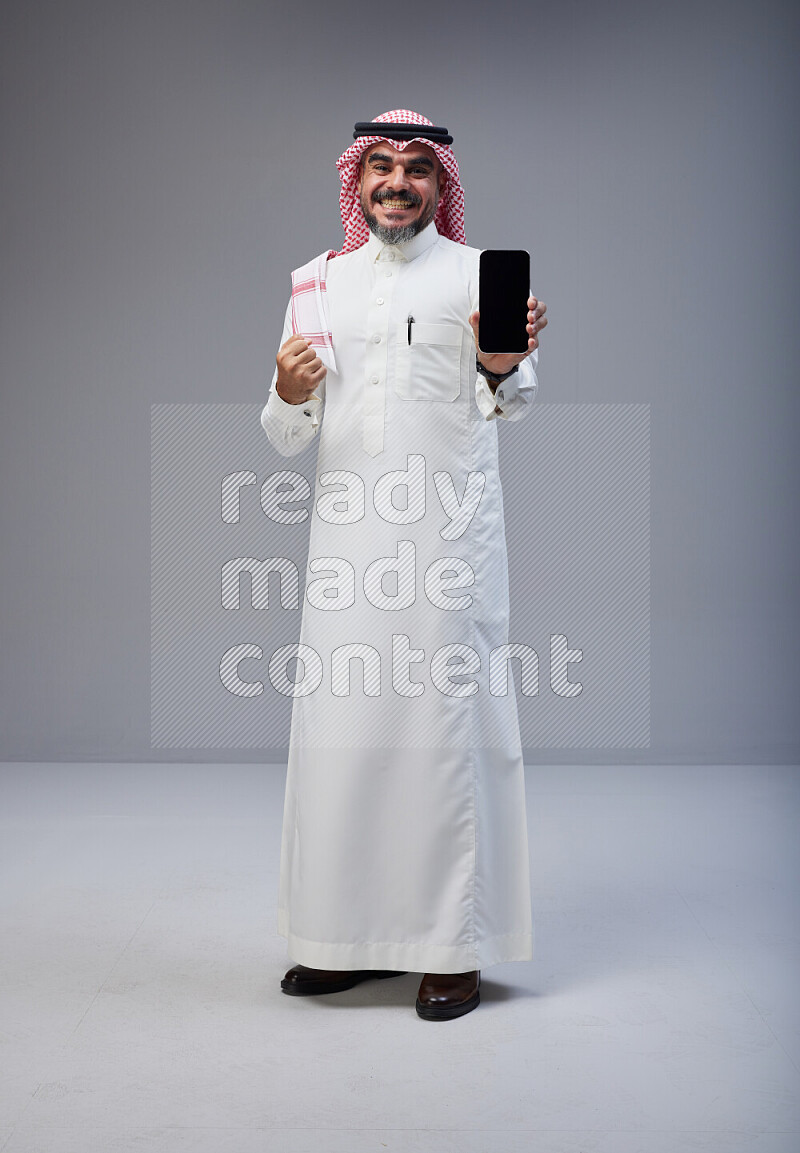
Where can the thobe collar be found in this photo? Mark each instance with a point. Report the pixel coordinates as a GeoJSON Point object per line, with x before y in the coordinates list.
{"type": "Point", "coordinates": [407, 250]}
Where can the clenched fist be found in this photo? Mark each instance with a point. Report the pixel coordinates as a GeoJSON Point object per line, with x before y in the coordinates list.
{"type": "Point", "coordinates": [300, 370]}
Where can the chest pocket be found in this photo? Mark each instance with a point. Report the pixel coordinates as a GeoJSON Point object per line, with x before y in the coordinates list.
{"type": "Point", "coordinates": [429, 368]}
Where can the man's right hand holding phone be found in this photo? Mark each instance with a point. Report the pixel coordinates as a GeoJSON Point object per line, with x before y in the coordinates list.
{"type": "Point", "coordinates": [502, 362]}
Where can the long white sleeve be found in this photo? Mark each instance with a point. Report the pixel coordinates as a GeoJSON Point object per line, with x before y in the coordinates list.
{"type": "Point", "coordinates": [291, 427]}
{"type": "Point", "coordinates": [514, 396]}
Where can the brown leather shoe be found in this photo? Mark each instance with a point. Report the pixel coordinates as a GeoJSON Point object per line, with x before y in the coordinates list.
{"type": "Point", "coordinates": [445, 995]}
{"type": "Point", "coordinates": [301, 981]}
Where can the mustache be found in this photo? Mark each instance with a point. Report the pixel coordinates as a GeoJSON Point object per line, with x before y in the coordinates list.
{"type": "Point", "coordinates": [410, 198]}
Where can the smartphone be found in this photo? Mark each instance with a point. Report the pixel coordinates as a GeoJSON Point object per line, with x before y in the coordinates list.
{"type": "Point", "coordinates": [504, 287]}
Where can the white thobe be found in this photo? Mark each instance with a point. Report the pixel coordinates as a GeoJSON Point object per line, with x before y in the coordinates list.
{"type": "Point", "coordinates": [404, 839]}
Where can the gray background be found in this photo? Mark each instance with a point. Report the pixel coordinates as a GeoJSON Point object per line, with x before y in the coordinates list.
{"type": "Point", "coordinates": [166, 164]}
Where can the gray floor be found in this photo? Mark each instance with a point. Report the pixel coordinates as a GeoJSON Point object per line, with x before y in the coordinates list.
{"type": "Point", "coordinates": [141, 1007]}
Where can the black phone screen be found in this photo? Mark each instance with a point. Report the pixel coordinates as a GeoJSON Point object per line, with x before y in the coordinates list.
{"type": "Point", "coordinates": [505, 277]}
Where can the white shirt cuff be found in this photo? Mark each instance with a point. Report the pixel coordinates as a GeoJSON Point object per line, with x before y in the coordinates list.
{"type": "Point", "coordinates": [503, 398]}
{"type": "Point", "coordinates": [294, 415]}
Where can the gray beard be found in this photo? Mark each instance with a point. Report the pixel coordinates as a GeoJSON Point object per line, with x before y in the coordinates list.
{"type": "Point", "coordinates": [401, 232]}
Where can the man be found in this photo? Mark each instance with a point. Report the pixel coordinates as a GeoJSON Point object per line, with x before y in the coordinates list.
{"type": "Point", "coordinates": [404, 836]}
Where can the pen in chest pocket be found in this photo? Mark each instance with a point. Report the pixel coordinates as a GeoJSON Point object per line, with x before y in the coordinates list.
{"type": "Point", "coordinates": [410, 322]}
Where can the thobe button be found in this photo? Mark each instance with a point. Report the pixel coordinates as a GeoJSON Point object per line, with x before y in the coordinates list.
{"type": "Point", "coordinates": [376, 339]}
{"type": "Point", "coordinates": [379, 300]}
{"type": "Point", "coordinates": [374, 380]}
{"type": "Point", "coordinates": [388, 272]}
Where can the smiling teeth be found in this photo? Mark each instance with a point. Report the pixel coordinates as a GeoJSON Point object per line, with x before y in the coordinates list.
{"type": "Point", "coordinates": [395, 204]}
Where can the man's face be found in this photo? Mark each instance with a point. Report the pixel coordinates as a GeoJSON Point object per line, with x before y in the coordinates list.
{"type": "Point", "coordinates": [400, 190]}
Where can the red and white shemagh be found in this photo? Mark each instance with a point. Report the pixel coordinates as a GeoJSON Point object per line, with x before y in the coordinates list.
{"type": "Point", "coordinates": [309, 304]}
